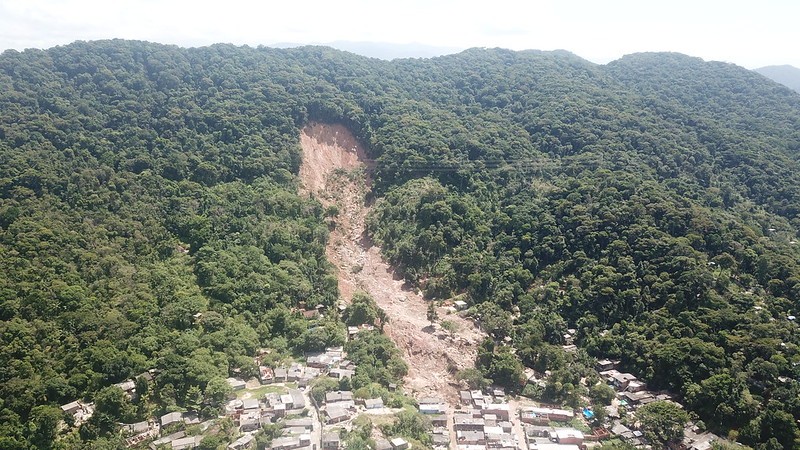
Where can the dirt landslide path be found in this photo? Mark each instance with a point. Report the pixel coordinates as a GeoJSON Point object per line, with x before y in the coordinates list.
{"type": "Point", "coordinates": [334, 171]}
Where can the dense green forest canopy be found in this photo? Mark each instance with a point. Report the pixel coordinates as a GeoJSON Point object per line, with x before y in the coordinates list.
{"type": "Point", "coordinates": [653, 204]}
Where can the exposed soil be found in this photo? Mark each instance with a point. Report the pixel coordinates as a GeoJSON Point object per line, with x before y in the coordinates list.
{"type": "Point", "coordinates": [334, 171]}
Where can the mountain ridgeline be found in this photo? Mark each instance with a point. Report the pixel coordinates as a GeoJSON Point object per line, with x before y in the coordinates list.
{"type": "Point", "coordinates": [150, 219]}
{"type": "Point", "coordinates": [788, 76]}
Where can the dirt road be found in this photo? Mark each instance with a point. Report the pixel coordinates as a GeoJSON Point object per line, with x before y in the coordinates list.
{"type": "Point", "coordinates": [334, 172]}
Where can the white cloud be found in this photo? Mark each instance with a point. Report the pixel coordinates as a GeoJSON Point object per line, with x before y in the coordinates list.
{"type": "Point", "coordinates": [745, 32]}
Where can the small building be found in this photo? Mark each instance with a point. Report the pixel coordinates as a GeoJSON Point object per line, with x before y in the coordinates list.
{"type": "Point", "coordinates": [171, 418]}
{"type": "Point", "coordinates": [439, 420]}
{"type": "Point", "coordinates": [636, 386]}
{"type": "Point", "coordinates": [249, 423]}
{"type": "Point", "coordinates": [335, 414]}
{"type": "Point", "coordinates": [538, 431]}
{"type": "Point", "coordinates": [186, 443]}
{"type": "Point", "coordinates": [136, 428]}
{"type": "Point", "coordinates": [72, 407]}
{"type": "Point", "coordinates": [298, 401]}
{"type": "Point", "coordinates": [373, 403]}
{"type": "Point", "coordinates": [236, 384]}
{"type": "Point", "coordinates": [249, 404]}
{"type": "Point", "coordinates": [245, 442]}
{"type": "Point", "coordinates": [330, 441]}
{"type": "Point", "coordinates": [428, 408]}
{"type": "Point", "coordinates": [382, 444]}
{"type": "Point", "coordinates": [338, 396]}
{"type": "Point", "coordinates": [266, 375]}
{"type": "Point", "coordinates": [470, 437]}
{"type": "Point", "coordinates": [460, 305]}
{"type": "Point", "coordinates": [399, 443]}
{"type": "Point", "coordinates": [465, 422]}
{"type": "Point", "coordinates": [501, 410]}
{"type": "Point", "coordinates": [605, 364]}
{"type": "Point", "coordinates": [302, 422]}
{"type": "Point", "coordinates": [539, 415]}
{"type": "Point", "coordinates": [465, 397]}
{"type": "Point", "coordinates": [552, 446]}
{"type": "Point", "coordinates": [341, 374]}
{"type": "Point", "coordinates": [569, 436]}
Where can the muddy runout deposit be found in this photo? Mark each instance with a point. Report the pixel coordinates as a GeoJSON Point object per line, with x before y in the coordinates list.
{"type": "Point", "coordinates": [335, 172]}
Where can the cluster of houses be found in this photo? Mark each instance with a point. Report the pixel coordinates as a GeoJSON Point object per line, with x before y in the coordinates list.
{"type": "Point", "coordinates": [331, 362]}
{"type": "Point", "coordinates": [632, 393]}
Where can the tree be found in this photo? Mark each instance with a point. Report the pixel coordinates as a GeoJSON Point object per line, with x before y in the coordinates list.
{"type": "Point", "coordinates": [433, 314]}
{"type": "Point", "coordinates": [601, 393]}
{"type": "Point", "coordinates": [662, 421]}
{"type": "Point", "coordinates": [473, 378]}
{"type": "Point", "coordinates": [45, 420]}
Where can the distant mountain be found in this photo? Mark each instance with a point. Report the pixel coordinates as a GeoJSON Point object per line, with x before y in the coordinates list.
{"type": "Point", "coordinates": [788, 76]}
{"type": "Point", "coordinates": [382, 50]}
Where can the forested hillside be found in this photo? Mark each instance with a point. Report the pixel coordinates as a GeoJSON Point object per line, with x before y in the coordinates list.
{"type": "Point", "coordinates": [653, 204]}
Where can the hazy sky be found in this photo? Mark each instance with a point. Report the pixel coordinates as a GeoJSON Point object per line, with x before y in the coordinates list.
{"type": "Point", "coordinates": [749, 33]}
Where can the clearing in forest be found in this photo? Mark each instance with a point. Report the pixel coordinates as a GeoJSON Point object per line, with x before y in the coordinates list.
{"type": "Point", "coordinates": [335, 173]}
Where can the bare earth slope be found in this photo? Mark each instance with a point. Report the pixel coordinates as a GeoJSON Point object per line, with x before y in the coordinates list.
{"type": "Point", "coordinates": [334, 172]}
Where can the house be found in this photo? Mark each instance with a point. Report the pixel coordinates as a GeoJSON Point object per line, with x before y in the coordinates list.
{"type": "Point", "coordinates": [166, 440]}
{"type": "Point", "coordinates": [534, 415]}
{"type": "Point", "coordinates": [250, 404]}
{"type": "Point", "coordinates": [636, 386]}
{"type": "Point", "coordinates": [465, 398]}
{"type": "Point", "coordinates": [439, 420]}
{"type": "Point", "coordinates": [319, 361]}
{"type": "Point", "coordinates": [298, 401]}
{"type": "Point", "coordinates": [266, 375]}
{"type": "Point", "coordinates": [72, 407]}
{"type": "Point", "coordinates": [538, 431]}
{"type": "Point", "coordinates": [280, 374]}
{"type": "Point", "coordinates": [136, 428]}
{"type": "Point", "coordinates": [303, 422]}
{"type": "Point", "coordinates": [505, 425]}
{"type": "Point", "coordinates": [236, 384]}
{"type": "Point", "coordinates": [287, 400]}
{"type": "Point", "coordinates": [286, 443]}
{"type": "Point", "coordinates": [171, 418]}
{"type": "Point", "coordinates": [340, 373]}
{"type": "Point", "coordinates": [460, 305]}
{"type": "Point", "coordinates": [382, 444]}
{"type": "Point", "coordinates": [491, 420]}
{"type": "Point", "coordinates": [470, 437]}
{"type": "Point", "coordinates": [330, 441]}
{"type": "Point", "coordinates": [618, 379]}
{"type": "Point", "coordinates": [493, 434]}
{"type": "Point", "coordinates": [430, 401]}
{"type": "Point", "coordinates": [250, 421]}
{"type": "Point", "coordinates": [373, 403]}
{"type": "Point", "coordinates": [399, 443]}
{"type": "Point", "coordinates": [605, 364]}
{"type": "Point", "coordinates": [501, 410]}
{"type": "Point", "coordinates": [187, 442]}
{"type": "Point", "coordinates": [553, 446]}
{"type": "Point", "coordinates": [338, 396]}
{"type": "Point", "coordinates": [635, 398]}
{"type": "Point", "coordinates": [441, 440]}
{"type": "Point", "coordinates": [245, 442]}
{"type": "Point", "coordinates": [619, 429]}
{"type": "Point", "coordinates": [128, 386]}
{"type": "Point", "coordinates": [432, 408]}
{"type": "Point", "coordinates": [334, 414]}
{"type": "Point", "coordinates": [465, 422]}
{"type": "Point", "coordinates": [295, 372]}
{"type": "Point", "coordinates": [569, 436]}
